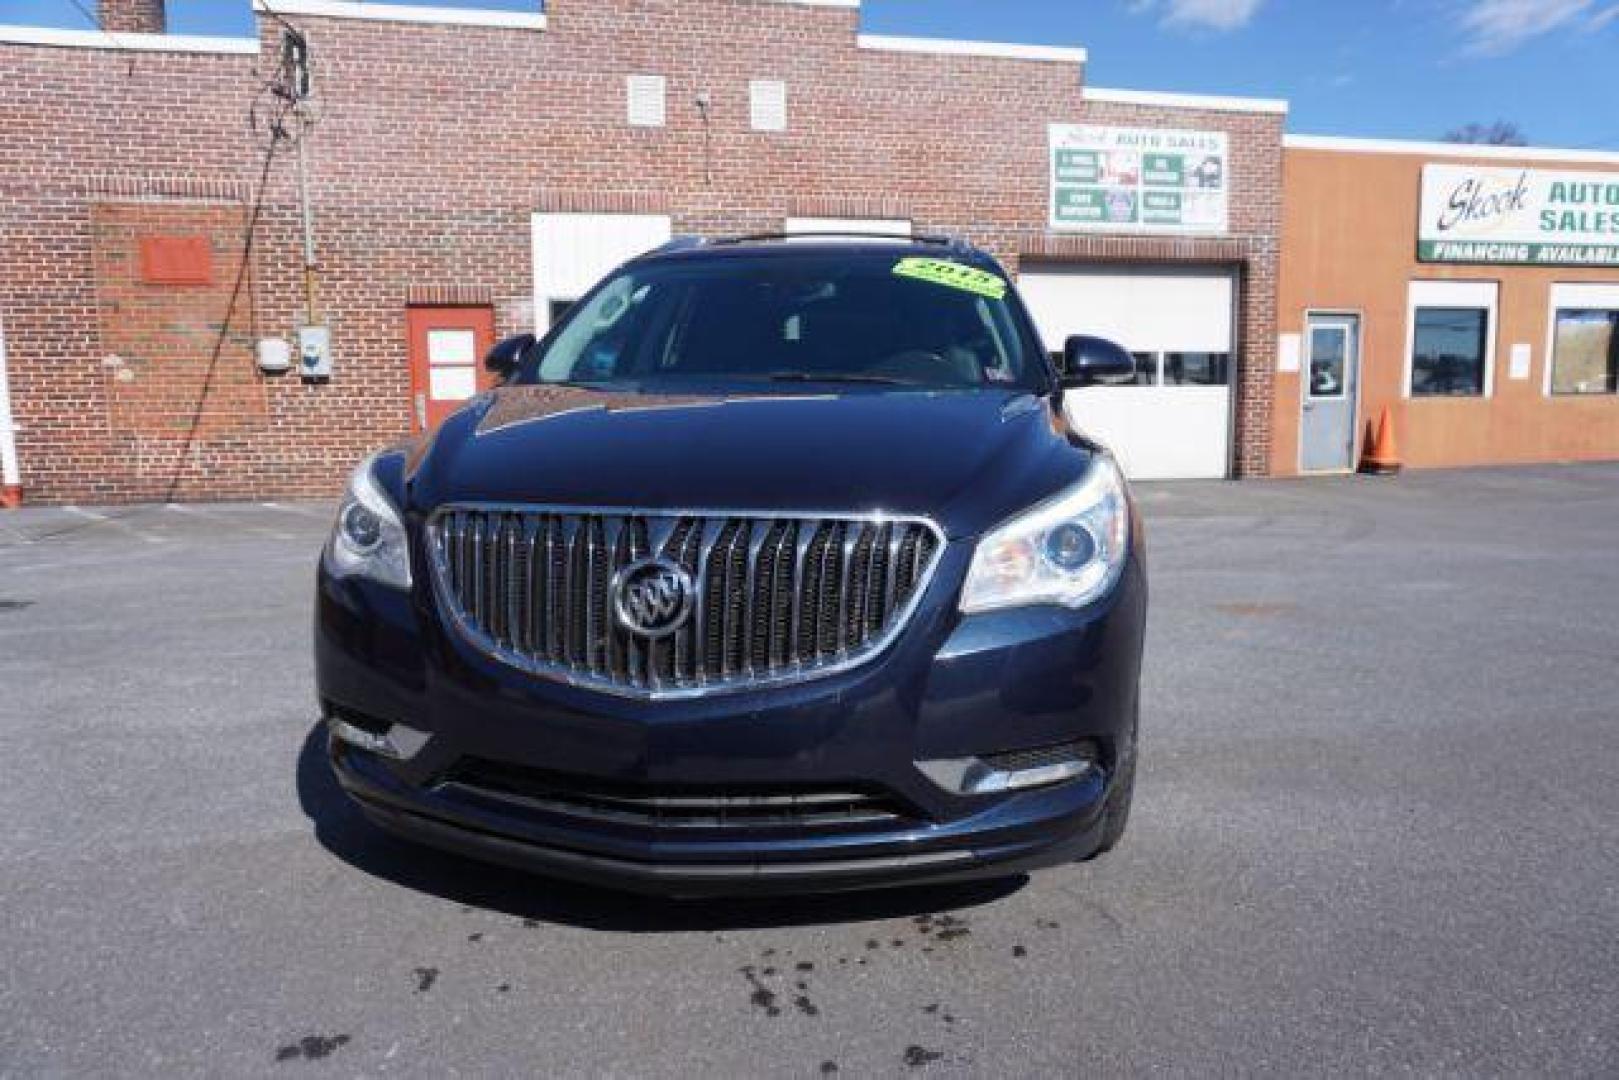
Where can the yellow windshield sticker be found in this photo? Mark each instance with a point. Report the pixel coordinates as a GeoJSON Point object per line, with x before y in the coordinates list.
{"type": "Point", "coordinates": [953, 275]}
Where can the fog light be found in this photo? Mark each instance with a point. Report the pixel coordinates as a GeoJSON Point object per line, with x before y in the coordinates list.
{"type": "Point", "coordinates": [384, 739]}
{"type": "Point", "coordinates": [1019, 770]}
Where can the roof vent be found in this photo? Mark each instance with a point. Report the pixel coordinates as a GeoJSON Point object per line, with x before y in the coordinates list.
{"type": "Point", "coordinates": [646, 95]}
{"type": "Point", "coordinates": [768, 101]}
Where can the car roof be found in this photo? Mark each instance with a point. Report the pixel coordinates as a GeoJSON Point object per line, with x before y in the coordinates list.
{"type": "Point", "coordinates": [797, 245]}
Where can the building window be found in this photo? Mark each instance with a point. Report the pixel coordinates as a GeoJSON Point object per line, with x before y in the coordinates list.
{"type": "Point", "coordinates": [646, 96]}
{"type": "Point", "coordinates": [1585, 340]}
{"type": "Point", "coordinates": [767, 102]}
{"type": "Point", "coordinates": [1447, 353]}
{"type": "Point", "coordinates": [1452, 338]}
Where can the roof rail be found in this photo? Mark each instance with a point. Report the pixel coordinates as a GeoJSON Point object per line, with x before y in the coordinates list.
{"type": "Point", "coordinates": [680, 243]}
{"type": "Point", "coordinates": [842, 234]}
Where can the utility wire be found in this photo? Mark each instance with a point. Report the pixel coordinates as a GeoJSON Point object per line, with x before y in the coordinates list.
{"type": "Point", "coordinates": [265, 7]}
{"type": "Point", "coordinates": [277, 134]}
{"type": "Point", "coordinates": [95, 24]}
{"type": "Point", "coordinates": [287, 104]}
{"type": "Point", "coordinates": [243, 270]}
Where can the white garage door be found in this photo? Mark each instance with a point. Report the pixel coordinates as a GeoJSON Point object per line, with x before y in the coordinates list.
{"type": "Point", "coordinates": [804, 226]}
{"type": "Point", "coordinates": [1174, 422]}
{"type": "Point", "coordinates": [574, 251]}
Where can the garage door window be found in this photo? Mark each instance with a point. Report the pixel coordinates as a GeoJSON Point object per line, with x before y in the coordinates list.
{"type": "Point", "coordinates": [1196, 368]}
{"type": "Point", "coordinates": [1146, 371]}
{"type": "Point", "coordinates": [1585, 351]}
{"type": "Point", "coordinates": [1180, 369]}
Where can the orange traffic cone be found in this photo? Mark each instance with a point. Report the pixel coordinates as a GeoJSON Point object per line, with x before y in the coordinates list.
{"type": "Point", "coordinates": [1381, 457]}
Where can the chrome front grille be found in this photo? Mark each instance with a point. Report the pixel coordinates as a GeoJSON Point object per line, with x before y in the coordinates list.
{"type": "Point", "coordinates": [775, 598]}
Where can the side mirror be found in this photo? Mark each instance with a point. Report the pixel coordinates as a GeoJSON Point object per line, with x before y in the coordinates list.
{"type": "Point", "coordinates": [506, 355]}
{"type": "Point", "coordinates": [1088, 360]}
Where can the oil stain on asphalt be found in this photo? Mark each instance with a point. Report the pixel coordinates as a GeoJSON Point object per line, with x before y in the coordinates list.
{"type": "Point", "coordinates": [942, 927]}
{"type": "Point", "coordinates": [762, 998]}
{"type": "Point", "coordinates": [773, 986]}
{"type": "Point", "coordinates": [312, 1047]}
{"type": "Point", "coordinates": [918, 1056]}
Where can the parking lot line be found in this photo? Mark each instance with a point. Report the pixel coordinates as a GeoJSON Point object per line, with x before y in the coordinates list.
{"type": "Point", "coordinates": [112, 521]}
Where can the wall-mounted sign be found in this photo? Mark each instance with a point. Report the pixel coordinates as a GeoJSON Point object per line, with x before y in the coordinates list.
{"type": "Point", "coordinates": [1474, 214]}
{"type": "Point", "coordinates": [1138, 179]}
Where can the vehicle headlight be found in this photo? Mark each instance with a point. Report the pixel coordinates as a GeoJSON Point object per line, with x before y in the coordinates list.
{"type": "Point", "coordinates": [369, 537]}
{"type": "Point", "coordinates": [1068, 550]}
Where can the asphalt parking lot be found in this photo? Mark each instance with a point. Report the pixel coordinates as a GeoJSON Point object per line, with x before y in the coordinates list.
{"type": "Point", "coordinates": [1377, 830]}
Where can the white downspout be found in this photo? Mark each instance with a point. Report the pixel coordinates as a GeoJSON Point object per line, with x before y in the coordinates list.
{"type": "Point", "coordinates": [10, 473]}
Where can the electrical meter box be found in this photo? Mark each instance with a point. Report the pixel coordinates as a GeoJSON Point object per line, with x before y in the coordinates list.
{"type": "Point", "coordinates": [315, 352]}
{"type": "Point", "coordinates": [275, 356]}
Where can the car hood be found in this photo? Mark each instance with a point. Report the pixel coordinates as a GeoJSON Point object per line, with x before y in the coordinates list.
{"type": "Point", "coordinates": [966, 460]}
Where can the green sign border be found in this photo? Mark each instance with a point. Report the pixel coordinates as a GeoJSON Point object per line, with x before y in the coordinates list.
{"type": "Point", "coordinates": [1601, 255]}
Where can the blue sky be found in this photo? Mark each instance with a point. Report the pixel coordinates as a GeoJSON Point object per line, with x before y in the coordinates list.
{"type": "Point", "coordinates": [1386, 68]}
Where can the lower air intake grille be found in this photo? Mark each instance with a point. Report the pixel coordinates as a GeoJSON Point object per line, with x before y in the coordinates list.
{"type": "Point", "coordinates": [671, 808]}
{"type": "Point", "coordinates": [1021, 760]}
{"type": "Point", "coordinates": [771, 599]}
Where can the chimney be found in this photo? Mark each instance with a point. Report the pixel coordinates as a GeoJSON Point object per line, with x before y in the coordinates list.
{"type": "Point", "coordinates": [132, 16]}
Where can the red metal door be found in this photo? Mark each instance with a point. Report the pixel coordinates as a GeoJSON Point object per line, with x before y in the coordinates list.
{"type": "Point", "coordinates": [446, 359]}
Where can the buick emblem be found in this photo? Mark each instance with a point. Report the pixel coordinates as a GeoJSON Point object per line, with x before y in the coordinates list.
{"type": "Point", "coordinates": [653, 598]}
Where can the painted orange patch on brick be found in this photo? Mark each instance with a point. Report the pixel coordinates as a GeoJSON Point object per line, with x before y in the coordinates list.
{"type": "Point", "coordinates": [176, 260]}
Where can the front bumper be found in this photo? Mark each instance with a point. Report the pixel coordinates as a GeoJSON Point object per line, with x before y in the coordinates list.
{"type": "Point", "coordinates": [1006, 840]}
{"type": "Point", "coordinates": [947, 688]}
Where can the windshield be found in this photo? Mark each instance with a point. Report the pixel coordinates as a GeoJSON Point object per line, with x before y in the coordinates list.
{"type": "Point", "coordinates": [881, 320]}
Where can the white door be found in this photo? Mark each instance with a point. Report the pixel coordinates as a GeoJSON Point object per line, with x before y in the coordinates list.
{"type": "Point", "coordinates": [572, 252]}
{"type": "Point", "coordinates": [1174, 421]}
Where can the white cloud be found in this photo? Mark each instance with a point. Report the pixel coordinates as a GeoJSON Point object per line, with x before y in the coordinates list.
{"type": "Point", "coordinates": [1494, 27]}
{"type": "Point", "coordinates": [1207, 14]}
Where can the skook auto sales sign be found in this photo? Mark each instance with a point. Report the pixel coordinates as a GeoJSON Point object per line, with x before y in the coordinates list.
{"type": "Point", "coordinates": [1520, 216]}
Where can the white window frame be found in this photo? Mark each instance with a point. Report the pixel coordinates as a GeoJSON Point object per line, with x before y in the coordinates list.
{"type": "Point", "coordinates": [1323, 321]}
{"type": "Point", "coordinates": [1591, 295]}
{"type": "Point", "coordinates": [1453, 294]}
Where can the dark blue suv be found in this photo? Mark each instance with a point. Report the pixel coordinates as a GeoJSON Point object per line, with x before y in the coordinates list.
{"type": "Point", "coordinates": [775, 565]}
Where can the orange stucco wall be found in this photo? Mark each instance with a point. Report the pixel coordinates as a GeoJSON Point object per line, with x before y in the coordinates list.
{"type": "Point", "coordinates": [1349, 244]}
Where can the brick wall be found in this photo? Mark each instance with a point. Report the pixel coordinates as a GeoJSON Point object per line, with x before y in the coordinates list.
{"type": "Point", "coordinates": [434, 146]}
{"type": "Point", "coordinates": [131, 16]}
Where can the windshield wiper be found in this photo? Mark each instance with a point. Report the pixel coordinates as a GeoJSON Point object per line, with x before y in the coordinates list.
{"type": "Point", "coordinates": [838, 377]}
